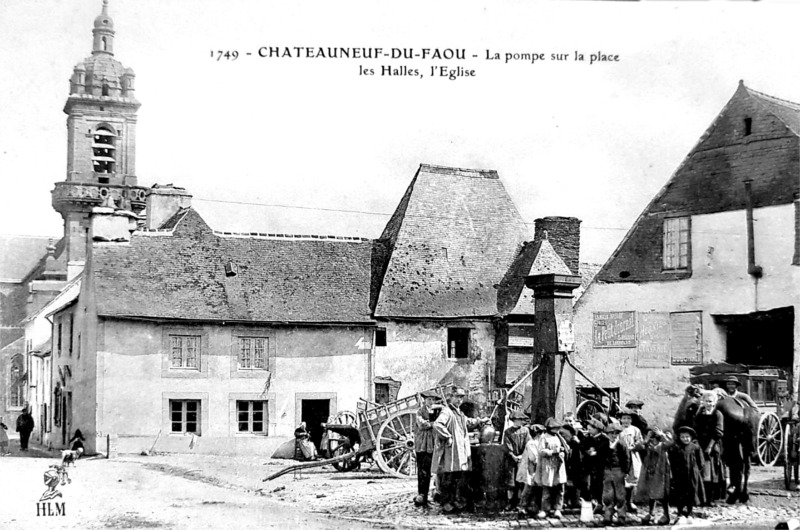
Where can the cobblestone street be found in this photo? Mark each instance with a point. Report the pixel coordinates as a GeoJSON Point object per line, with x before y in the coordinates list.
{"type": "Point", "coordinates": [369, 496]}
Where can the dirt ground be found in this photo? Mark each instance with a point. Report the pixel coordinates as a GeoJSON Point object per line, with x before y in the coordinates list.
{"type": "Point", "coordinates": [206, 491]}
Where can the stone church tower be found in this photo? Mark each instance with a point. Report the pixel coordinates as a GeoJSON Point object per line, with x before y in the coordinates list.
{"type": "Point", "coordinates": [101, 142]}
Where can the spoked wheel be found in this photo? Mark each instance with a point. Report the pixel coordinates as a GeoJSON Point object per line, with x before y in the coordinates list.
{"type": "Point", "coordinates": [348, 464]}
{"type": "Point", "coordinates": [345, 417]}
{"type": "Point", "coordinates": [394, 449]}
{"type": "Point", "coordinates": [769, 439]}
{"type": "Point", "coordinates": [587, 409]}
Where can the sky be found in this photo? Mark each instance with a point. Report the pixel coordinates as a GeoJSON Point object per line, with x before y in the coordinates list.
{"type": "Point", "coordinates": [308, 145]}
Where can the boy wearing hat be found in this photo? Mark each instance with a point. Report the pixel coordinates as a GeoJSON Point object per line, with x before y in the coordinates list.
{"type": "Point", "coordinates": [592, 448]}
{"type": "Point", "coordinates": [515, 439]}
{"type": "Point", "coordinates": [551, 471]}
{"type": "Point", "coordinates": [654, 480]}
{"type": "Point", "coordinates": [635, 407]}
{"type": "Point", "coordinates": [632, 437]}
{"type": "Point", "coordinates": [732, 385]}
{"type": "Point", "coordinates": [424, 442]}
{"type": "Point", "coordinates": [617, 463]}
{"type": "Point", "coordinates": [686, 462]}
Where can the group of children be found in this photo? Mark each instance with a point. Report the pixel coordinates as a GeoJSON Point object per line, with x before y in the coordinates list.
{"type": "Point", "coordinates": [610, 466]}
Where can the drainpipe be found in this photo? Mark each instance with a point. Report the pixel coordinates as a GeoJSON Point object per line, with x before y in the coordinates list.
{"type": "Point", "coordinates": [752, 269]}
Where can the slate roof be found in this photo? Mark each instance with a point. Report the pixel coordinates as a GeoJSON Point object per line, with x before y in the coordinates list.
{"type": "Point", "coordinates": [181, 275]}
{"type": "Point", "coordinates": [448, 245]}
{"type": "Point", "coordinates": [20, 254]}
{"type": "Point", "coordinates": [787, 111]}
{"type": "Point", "coordinates": [711, 179]}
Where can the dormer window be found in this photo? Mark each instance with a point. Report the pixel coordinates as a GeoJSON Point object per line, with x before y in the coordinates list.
{"type": "Point", "coordinates": [103, 148]}
{"type": "Point", "coordinates": [748, 126]}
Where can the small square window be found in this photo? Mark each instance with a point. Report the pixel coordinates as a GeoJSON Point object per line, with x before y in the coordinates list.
{"type": "Point", "coordinates": [253, 353]}
{"type": "Point", "coordinates": [184, 415]}
{"type": "Point", "coordinates": [185, 352]}
{"type": "Point", "coordinates": [251, 417]}
{"type": "Point", "coordinates": [382, 393]}
{"type": "Point", "coordinates": [380, 337]}
{"type": "Point", "coordinates": [458, 343]}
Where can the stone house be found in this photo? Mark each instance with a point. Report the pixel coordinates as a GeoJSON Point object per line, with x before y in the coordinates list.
{"type": "Point", "coordinates": [710, 271]}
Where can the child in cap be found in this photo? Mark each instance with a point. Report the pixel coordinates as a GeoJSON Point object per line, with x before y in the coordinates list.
{"type": "Point", "coordinates": [686, 465]}
{"type": "Point", "coordinates": [632, 437]}
{"type": "Point", "coordinates": [531, 498]}
{"type": "Point", "coordinates": [592, 448]}
{"type": "Point", "coordinates": [573, 464]}
{"type": "Point", "coordinates": [515, 438]}
{"type": "Point", "coordinates": [655, 475]}
{"type": "Point", "coordinates": [551, 471]}
{"type": "Point", "coordinates": [617, 463]}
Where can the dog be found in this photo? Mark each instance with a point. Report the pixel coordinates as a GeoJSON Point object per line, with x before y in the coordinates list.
{"type": "Point", "coordinates": [69, 456]}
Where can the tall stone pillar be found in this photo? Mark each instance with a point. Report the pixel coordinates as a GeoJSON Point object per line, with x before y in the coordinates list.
{"type": "Point", "coordinates": [553, 384]}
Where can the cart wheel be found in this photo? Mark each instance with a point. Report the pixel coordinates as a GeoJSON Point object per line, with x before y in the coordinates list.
{"type": "Point", "coordinates": [345, 465]}
{"type": "Point", "coordinates": [394, 449]}
{"type": "Point", "coordinates": [345, 417]}
{"type": "Point", "coordinates": [787, 464]}
{"type": "Point", "coordinates": [769, 439]}
{"type": "Point", "coordinates": [587, 409]}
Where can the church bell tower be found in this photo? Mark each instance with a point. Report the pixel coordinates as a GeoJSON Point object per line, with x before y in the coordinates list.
{"type": "Point", "coordinates": [101, 141]}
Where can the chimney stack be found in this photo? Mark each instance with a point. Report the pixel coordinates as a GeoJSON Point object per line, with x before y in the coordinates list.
{"type": "Point", "coordinates": [564, 233]}
{"type": "Point", "coordinates": [163, 202]}
{"type": "Point", "coordinates": [110, 224]}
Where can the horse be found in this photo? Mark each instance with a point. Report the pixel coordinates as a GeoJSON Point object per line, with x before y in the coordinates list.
{"type": "Point", "coordinates": [738, 441]}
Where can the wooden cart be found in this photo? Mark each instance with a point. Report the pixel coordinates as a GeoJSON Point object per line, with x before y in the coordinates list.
{"type": "Point", "coordinates": [381, 432]}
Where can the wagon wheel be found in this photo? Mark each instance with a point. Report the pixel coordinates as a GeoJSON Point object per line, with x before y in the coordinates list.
{"type": "Point", "coordinates": [394, 448]}
{"type": "Point", "coordinates": [345, 417]}
{"type": "Point", "coordinates": [769, 439]}
{"type": "Point", "coordinates": [587, 409]}
{"type": "Point", "coordinates": [349, 464]}
{"type": "Point", "coordinates": [787, 463]}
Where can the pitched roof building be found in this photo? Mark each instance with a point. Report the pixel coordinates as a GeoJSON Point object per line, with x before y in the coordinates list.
{"type": "Point", "coordinates": [709, 271]}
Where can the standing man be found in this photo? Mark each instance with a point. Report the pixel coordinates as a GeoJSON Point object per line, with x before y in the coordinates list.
{"type": "Point", "coordinates": [732, 385]}
{"type": "Point", "coordinates": [452, 452]}
{"type": "Point", "coordinates": [424, 442]}
{"type": "Point", "coordinates": [635, 407]}
{"type": "Point", "coordinates": [25, 426]}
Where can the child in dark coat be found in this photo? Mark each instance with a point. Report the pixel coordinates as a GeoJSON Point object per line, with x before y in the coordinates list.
{"type": "Point", "coordinates": [655, 475]}
{"type": "Point", "coordinates": [617, 464]}
{"type": "Point", "coordinates": [686, 464]}
{"type": "Point", "coordinates": [591, 459]}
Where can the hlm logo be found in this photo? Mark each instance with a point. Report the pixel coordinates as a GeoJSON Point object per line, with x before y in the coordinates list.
{"type": "Point", "coordinates": [53, 478]}
{"type": "Point", "coordinates": [50, 508]}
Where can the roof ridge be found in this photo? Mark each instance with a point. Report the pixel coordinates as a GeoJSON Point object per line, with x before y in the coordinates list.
{"type": "Point", "coordinates": [460, 171]}
{"type": "Point", "coordinates": [771, 97]}
{"type": "Point", "coordinates": [310, 237]}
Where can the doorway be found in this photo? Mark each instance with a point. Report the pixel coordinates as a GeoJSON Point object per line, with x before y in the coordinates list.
{"type": "Point", "coordinates": [762, 338]}
{"type": "Point", "coordinates": [315, 412]}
